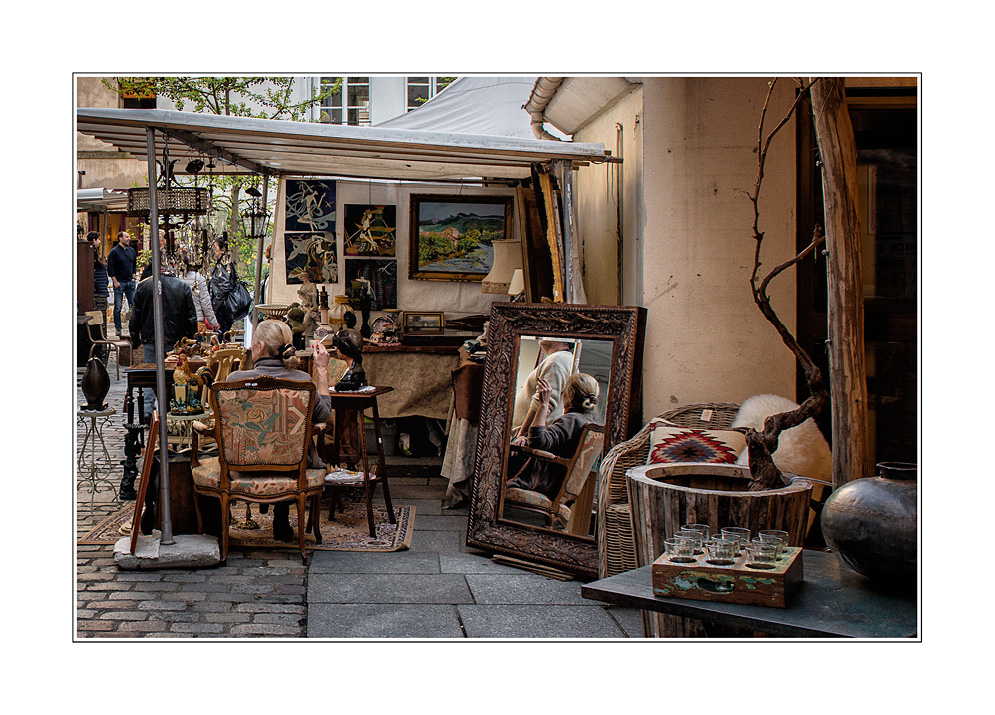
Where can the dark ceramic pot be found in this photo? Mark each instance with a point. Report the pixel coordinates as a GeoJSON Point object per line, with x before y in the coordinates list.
{"type": "Point", "coordinates": [872, 523]}
{"type": "Point", "coordinates": [95, 384]}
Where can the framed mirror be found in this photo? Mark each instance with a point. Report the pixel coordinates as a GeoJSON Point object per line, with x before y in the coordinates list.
{"type": "Point", "coordinates": [526, 504]}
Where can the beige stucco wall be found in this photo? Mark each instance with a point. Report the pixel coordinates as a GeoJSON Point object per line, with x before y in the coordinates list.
{"type": "Point", "coordinates": [455, 298]}
{"type": "Point", "coordinates": [598, 188]}
{"type": "Point", "coordinates": [690, 246]}
{"type": "Point", "coordinates": [104, 165]}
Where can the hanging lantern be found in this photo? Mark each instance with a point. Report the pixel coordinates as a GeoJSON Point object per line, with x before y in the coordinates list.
{"type": "Point", "coordinates": [254, 220]}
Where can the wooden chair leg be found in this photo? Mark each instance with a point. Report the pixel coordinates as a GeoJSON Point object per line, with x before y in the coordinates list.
{"type": "Point", "coordinates": [315, 517]}
{"type": "Point", "coordinates": [200, 517]}
{"type": "Point", "coordinates": [225, 519]}
{"type": "Point", "coordinates": [301, 498]}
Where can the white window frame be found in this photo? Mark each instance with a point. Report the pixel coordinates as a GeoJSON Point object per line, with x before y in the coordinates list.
{"type": "Point", "coordinates": [432, 90]}
{"type": "Point", "coordinates": [338, 102]}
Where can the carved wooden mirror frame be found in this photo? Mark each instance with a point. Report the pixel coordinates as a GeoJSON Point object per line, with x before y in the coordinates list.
{"type": "Point", "coordinates": [622, 325]}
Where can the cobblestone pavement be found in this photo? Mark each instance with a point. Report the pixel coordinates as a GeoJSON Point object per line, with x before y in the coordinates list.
{"type": "Point", "coordinates": [256, 594]}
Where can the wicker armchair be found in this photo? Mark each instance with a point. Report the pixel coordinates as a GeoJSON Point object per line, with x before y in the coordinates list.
{"type": "Point", "coordinates": [616, 548]}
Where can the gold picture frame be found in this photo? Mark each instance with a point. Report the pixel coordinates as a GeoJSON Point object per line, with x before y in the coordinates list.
{"type": "Point", "coordinates": [424, 323]}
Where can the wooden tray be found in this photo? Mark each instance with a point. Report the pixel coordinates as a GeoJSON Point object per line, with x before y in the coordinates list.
{"type": "Point", "coordinates": [735, 583]}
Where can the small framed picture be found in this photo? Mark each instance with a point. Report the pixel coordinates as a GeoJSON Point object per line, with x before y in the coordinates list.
{"type": "Point", "coordinates": [424, 323]}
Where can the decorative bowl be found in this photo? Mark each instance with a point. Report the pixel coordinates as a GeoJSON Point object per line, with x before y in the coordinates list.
{"type": "Point", "coordinates": [273, 310]}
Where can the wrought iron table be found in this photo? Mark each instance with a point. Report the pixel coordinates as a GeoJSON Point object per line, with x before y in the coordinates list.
{"type": "Point", "coordinates": [89, 460]}
{"type": "Point", "coordinates": [832, 602]}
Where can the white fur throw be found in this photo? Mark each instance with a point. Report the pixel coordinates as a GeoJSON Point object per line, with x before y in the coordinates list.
{"type": "Point", "coordinates": [801, 450]}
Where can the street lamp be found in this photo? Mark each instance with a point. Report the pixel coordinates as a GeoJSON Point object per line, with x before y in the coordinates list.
{"type": "Point", "coordinates": [254, 220]}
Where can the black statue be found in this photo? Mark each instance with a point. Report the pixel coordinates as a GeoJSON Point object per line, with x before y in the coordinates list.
{"type": "Point", "coordinates": [347, 345]}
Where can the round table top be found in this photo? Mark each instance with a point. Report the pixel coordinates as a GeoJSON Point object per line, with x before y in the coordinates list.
{"type": "Point", "coordinates": [189, 416]}
{"type": "Point", "coordinates": [106, 412]}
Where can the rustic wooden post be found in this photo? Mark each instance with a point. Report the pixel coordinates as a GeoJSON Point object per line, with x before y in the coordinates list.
{"type": "Point", "coordinates": [847, 379]}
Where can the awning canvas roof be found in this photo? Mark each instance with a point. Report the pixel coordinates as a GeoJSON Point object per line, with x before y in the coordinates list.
{"type": "Point", "coordinates": [311, 149]}
{"type": "Point", "coordinates": [100, 199]}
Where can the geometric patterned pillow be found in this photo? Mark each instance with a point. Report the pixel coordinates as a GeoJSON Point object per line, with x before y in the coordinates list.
{"type": "Point", "coordinates": [670, 443]}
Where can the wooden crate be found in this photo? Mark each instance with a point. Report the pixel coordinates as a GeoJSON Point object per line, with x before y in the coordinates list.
{"type": "Point", "coordinates": [735, 583]}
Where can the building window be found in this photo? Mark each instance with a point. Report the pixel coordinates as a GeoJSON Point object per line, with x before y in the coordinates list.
{"type": "Point", "coordinates": [133, 100]}
{"type": "Point", "coordinates": [349, 105]}
{"type": "Point", "coordinates": [422, 89]}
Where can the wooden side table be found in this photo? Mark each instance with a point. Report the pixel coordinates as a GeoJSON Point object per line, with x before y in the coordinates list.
{"type": "Point", "coordinates": [358, 402]}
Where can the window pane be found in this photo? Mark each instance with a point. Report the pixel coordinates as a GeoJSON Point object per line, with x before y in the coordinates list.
{"type": "Point", "coordinates": [359, 80]}
{"type": "Point", "coordinates": [359, 117]}
{"type": "Point", "coordinates": [417, 95]}
{"type": "Point", "coordinates": [417, 80]}
{"type": "Point", "coordinates": [331, 116]}
{"type": "Point", "coordinates": [359, 95]}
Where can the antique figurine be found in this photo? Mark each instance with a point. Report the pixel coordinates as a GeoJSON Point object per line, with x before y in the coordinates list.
{"type": "Point", "coordinates": [347, 345]}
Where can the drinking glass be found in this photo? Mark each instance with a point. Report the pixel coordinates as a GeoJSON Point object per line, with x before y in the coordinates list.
{"type": "Point", "coordinates": [703, 528]}
{"type": "Point", "coordinates": [773, 536]}
{"type": "Point", "coordinates": [761, 556]}
{"type": "Point", "coordinates": [679, 550]}
{"type": "Point", "coordinates": [743, 535]}
{"type": "Point", "coordinates": [721, 551]}
{"type": "Point", "coordinates": [693, 535]}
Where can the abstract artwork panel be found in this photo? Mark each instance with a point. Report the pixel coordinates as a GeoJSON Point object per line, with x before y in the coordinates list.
{"type": "Point", "coordinates": [369, 230]}
{"type": "Point", "coordinates": [311, 254]}
{"type": "Point", "coordinates": [310, 205]}
{"type": "Point", "coordinates": [382, 278]}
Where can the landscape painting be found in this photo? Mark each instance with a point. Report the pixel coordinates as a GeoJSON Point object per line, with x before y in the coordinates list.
{"type": "Point", "coordinates": [452, 236]}
{"type": "Point", "coordinates": [369, 230]}
{"type": "Point", "coordinates": [313, 255]}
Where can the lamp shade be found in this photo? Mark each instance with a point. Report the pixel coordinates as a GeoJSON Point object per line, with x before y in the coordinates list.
{"type": "Point", "coordinates": [517, 284]}
{"type": "Point", "coordinates": [507, 258]}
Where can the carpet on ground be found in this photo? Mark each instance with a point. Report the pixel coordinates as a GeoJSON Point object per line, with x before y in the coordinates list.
{"type": "Point", "coordinates": [348, 531]}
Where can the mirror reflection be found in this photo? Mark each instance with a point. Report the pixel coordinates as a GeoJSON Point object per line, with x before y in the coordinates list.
{"type": "Point", "coordinates": [561, 399]}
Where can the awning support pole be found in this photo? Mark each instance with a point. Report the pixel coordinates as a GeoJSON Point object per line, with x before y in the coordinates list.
{"type": "Point", "coordinates": [160, 341]}
{"type": "Point", "coordinates": [259, 259]}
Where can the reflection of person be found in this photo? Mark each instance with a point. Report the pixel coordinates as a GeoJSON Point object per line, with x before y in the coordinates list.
{"type": "Point", "coordinates": [273, 355]}
{"type": "Point", "coordinates": [554, 368]}
{"type": "Point", "coordinates": [122, 266]}
{"type": "Point", "coordinates": [560, 436]}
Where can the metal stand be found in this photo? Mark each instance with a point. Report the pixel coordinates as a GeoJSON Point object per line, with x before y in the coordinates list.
{"type": "Point", "coordinates": [134, 441]}
{"type": "Point", "coordinates": [89, 460]}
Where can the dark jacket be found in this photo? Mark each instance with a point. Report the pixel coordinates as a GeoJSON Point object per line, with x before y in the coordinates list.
{"type": "Point", "coordinates": [100, 280]}
{"type": "Point", "coordinates": [121, 263]}
{"type": "Point", "coordinates": [179, 317]}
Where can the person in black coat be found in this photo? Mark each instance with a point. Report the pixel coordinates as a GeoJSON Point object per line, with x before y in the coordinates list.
{"type": "Point", "coordinates": [100, 279]}
{"type": "Point", "coordinates": [179, 320]}
{"type": "Point", "coordinates": [561, 436]}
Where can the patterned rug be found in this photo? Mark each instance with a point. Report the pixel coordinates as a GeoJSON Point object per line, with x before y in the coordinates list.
{"type": "Point", "coordinates": [348, 532]}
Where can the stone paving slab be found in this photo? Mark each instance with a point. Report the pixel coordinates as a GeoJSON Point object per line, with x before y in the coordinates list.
{"type": "Point", "coordinates": [387, 588]}
{"type": "Point", "coordinates": [537, 621]}
{"type": "Point", "coordinates": [522, 588]}
{"type": "Point", "coordinates": [384, 621]}
{"type": "Point", "coordinates": [395, 562]}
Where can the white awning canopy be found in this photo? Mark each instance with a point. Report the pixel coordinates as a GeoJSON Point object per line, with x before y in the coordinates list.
{"type": "Point", "coordinates": [100, 199]}
{"type": "Point", "coordinates": [289, 148]}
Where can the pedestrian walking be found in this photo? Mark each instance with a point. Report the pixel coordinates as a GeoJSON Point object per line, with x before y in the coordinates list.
{"type": "Point", "coordinates": [122, 264]}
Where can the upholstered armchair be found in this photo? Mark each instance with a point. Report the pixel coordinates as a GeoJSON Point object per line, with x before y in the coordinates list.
{"type": "Point", "coordinates": [262, 426]}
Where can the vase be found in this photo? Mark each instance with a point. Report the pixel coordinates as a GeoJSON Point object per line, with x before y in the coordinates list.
{"type": "Point", "coordinates": [95, 384]}
{"type": "Point", "coordinates": [872, 523]}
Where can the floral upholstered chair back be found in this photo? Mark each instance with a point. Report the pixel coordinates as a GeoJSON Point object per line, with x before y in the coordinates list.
{"type": "Point", "coordinates": [263, 421]}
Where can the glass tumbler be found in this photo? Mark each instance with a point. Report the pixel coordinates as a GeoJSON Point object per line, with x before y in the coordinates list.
{"type": "Point", "coordinates": [703, 528]}
{"type": "Point", "coordinates": [742, 535]}
{"type": "Point", "coordinates": [693, 535]}
{"type": "Point", "coordinates": [773, 536]}
{"type": "Point", "coordinates": [679, 550]}
{"type": "Point", "coordinates": [721, 552]}
{"type": "Point", "coordinates": [761, 556]}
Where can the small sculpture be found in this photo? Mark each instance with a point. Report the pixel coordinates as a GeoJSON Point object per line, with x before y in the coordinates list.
{"type": "Point", "coordinates": [347, 345]}
{"type": "Point", "coordinates": [187, 387]}
{"type": "Point", "coordinates": [95, 384]}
